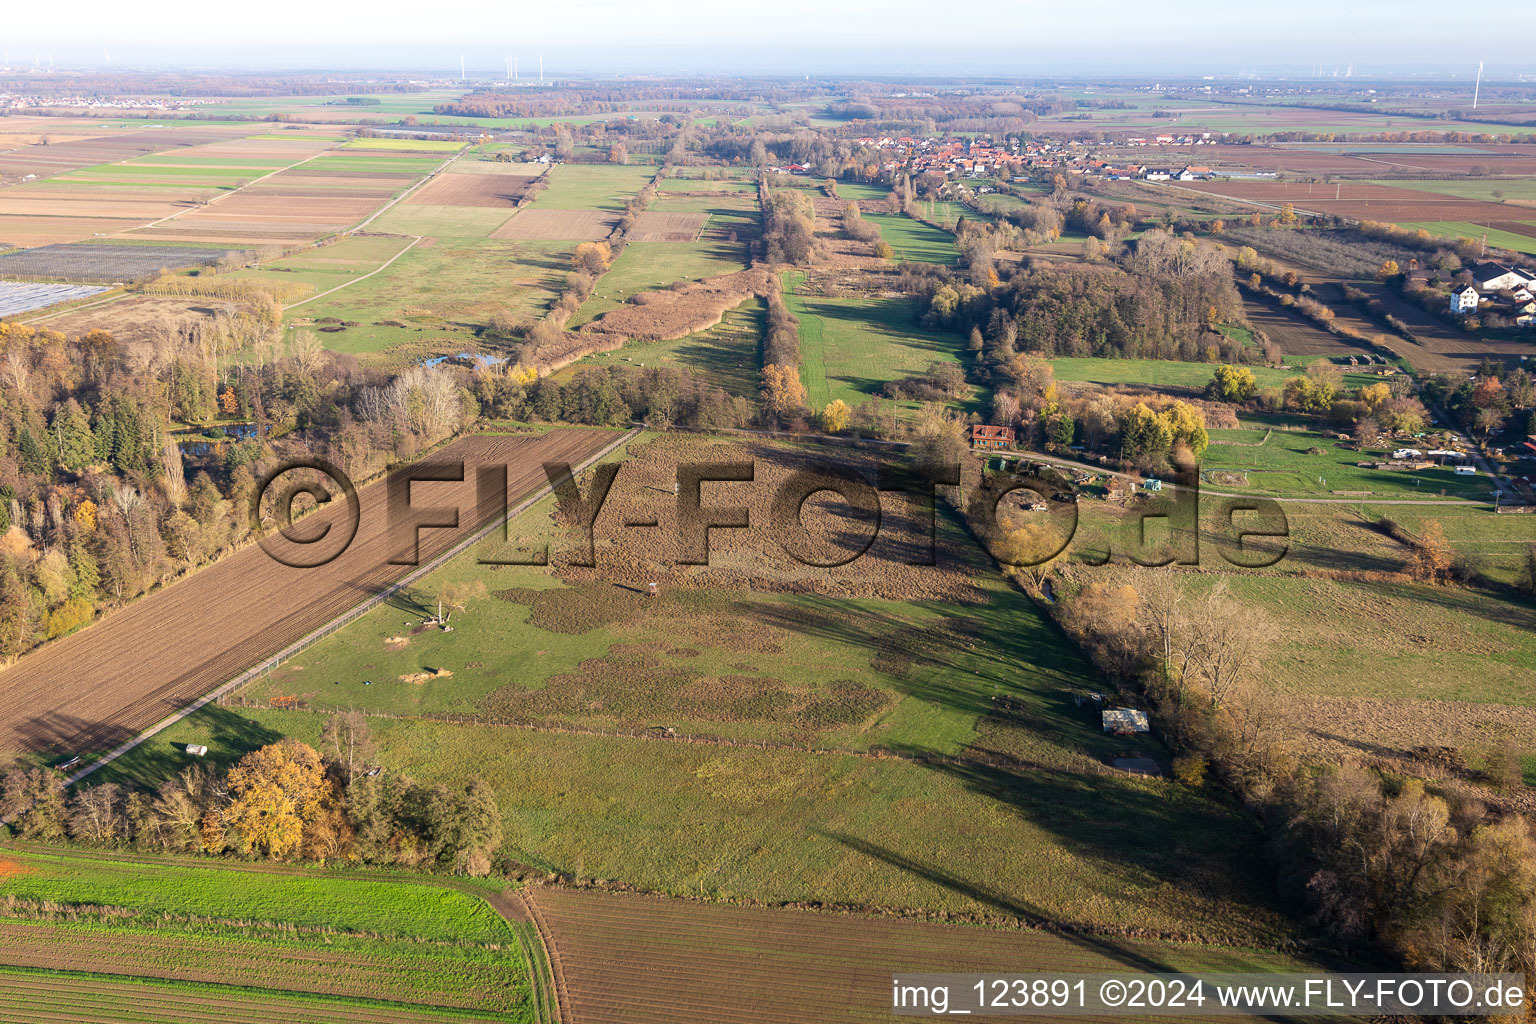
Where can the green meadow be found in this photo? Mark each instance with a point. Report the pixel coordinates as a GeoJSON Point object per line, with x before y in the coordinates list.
{"type": "Point", "coordinates": [851, 347]}
{"type": "Point", "coordinates": [912, 240]}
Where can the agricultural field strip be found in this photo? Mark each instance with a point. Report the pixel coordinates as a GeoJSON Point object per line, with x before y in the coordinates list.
{"type": "Point", "coordinates": [539, 960]}
{"type": "Point", "coordinates": [402, 940]}
{"type": "Point", "coordinates": [353, 613]}
{"type": "Point", "coordinates": [226, 195]}
{"type": "Point", "coordinates": [399, 973]}
{"type": "Point", "coordinates": [46, 703]}
{"type": "Point", "coordinates": [61, 995]}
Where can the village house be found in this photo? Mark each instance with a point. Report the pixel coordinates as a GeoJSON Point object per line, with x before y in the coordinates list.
{"type": "Point", "coordinates": [986, 436]}
{"type": "Point", "coordinates": [1464, 300]}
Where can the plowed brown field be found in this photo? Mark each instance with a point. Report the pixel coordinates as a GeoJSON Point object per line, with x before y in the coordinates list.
{"type": "Point", "coordinates": [558, 226]}
{"type": "Point", "coordinates": [494, 190]}
{"type": "Point", "coordinates": [625, 959]}
{"type": "Point", "coordinates": [98, 687]}
{"type": "Point", "coordinates": [667, 227]}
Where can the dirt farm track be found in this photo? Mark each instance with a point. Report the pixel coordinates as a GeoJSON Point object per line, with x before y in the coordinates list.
{"type": "Point", "coordinates": [105, 683]}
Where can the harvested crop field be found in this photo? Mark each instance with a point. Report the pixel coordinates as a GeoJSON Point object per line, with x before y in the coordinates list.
{"type": "Point", "coordinates": [258, 209]}
{"type": "Point", "coordinates": [496, 190]}
{"type": "Point", "coordinates": [535, 225]}
{"type": "Point", "coordinates": [628, 959]}
{"type": "Point", "coordinates": [1295, 336]}
{"type": "Point", "coordinates": [90, 201]}
{"type": "Point", "coordinates": [96, 261]}
{"type": "Point", "coordinates": [101, 685]}
{"type": "Point", "coordinates": [281, 216]}
{"type": "Point", "coordinates": [1518, 227]}
{"type": "Point", "coordinates": [667, 227]}
{"type": "Point", "coordinates": [22, 297]}
{"type": "Point", "coordinates": [22, 230]}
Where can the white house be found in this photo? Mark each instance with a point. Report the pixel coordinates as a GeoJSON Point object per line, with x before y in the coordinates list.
{"type": "Point", "coordinates": [1493, 277]}
{"type": "Point", "coordinates": [1464, 300]}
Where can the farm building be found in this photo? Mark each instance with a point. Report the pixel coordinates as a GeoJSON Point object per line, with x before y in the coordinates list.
{"type": "Point", "coordinates": [1492, 277]}
{"type": "Point", "coordinates": [986, 436]}
{"type": "Point", "coordinates": [1124, 721]}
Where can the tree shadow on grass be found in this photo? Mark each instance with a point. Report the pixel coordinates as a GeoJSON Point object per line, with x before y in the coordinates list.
{"type": "Point", "coordinates": [1149, 839]}
{"type": "Point", "coordinates": [54, 735]}
{"type": "Point", "coordinates": [1110, 949]}
{"type": "Point", "coordinates": [228, 735]}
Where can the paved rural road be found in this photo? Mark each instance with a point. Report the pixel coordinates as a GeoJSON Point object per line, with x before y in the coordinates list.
{"type": "Point", "coordinates": [99, 687]}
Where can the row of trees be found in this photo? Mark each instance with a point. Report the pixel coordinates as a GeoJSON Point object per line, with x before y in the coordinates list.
{"type": "Point", "coordinates": [1370, 410]}
{"type": "Point", "coordinates": [285, 801]}
{"type": "Point", "coordinates": [611, 396]}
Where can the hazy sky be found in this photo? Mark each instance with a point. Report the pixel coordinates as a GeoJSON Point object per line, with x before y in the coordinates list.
{"type": "Point", "coordinates": [788, 36]}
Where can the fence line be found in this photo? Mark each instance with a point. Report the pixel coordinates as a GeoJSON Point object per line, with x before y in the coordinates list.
{"type": "Point", "coordinates": [650, 734]}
